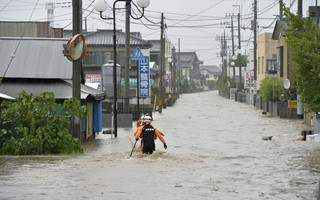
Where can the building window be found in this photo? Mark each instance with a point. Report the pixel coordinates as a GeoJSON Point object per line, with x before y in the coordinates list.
{"type": "Point", "coordinates": [259, 65]}
{"type": "Point", "coordinates": [96, 58]}
{"type": "Point", "coordinates": [271, 66]}
{"type": "Point", "coordinates": [262, 65]}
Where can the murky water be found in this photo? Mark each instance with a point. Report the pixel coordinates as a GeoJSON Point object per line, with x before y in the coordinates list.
{"type": "Point", "coordinates": [215, 151]}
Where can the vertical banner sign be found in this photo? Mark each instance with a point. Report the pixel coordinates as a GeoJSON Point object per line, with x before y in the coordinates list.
{"type": "Point", "coordinates": [247, 80]}
{"type": "Point", "coordinates": [144, 77]}
{"type": "Point", "coordinates": [168, 52]}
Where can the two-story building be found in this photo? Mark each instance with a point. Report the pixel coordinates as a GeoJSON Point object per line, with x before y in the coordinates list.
{"type": "Point", "coordinates": [266, 57]}
{"type": "Point", "coordinates": [188, 66]}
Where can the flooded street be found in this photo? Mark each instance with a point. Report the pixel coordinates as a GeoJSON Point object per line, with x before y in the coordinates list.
{"type": "Point", "coordinates": [215, 151]}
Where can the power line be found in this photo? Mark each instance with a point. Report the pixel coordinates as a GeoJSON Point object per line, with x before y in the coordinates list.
{"type": "Point", "coordinates": [5, 5]}
{"type": "Point", "coordinates": [16, 49]}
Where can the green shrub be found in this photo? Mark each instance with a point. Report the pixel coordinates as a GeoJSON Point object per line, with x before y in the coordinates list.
{"type": "Point", "coordinates": [38, 125]}
{"type": "Point", "coordinates": [271, 89]}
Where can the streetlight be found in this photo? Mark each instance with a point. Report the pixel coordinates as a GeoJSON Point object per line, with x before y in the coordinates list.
{"type": "Point", "coordinates": [102, 6]}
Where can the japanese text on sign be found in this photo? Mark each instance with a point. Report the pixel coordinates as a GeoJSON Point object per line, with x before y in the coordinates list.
{"type": "Point", "coordinates": [144, 77]}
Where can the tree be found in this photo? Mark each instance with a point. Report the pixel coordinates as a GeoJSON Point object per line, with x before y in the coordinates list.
{"type": "Point", "coordinates": [39, 125]}
{"type": "Point", "coordinates": [271, 89]}
{"type": "Point", "coordinates": [222, 83]}
{"type": "Point", "coordinates": [303, 39]}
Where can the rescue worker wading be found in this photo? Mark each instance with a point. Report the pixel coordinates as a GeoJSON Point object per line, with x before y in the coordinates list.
{"type": "Point", "coordinates": [148, 135]}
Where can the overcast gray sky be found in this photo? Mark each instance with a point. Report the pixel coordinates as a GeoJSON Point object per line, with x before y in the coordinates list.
{"type": "Point", "coordinates": [196, 22]}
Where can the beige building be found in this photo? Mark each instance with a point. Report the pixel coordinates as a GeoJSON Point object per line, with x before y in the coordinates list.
{"type": "Point", "coordinates": [284, 65]}
{"type": "Point", "coordinates": [266, 57]}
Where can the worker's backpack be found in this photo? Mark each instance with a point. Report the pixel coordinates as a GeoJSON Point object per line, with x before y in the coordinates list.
{"type": "Point", "coordinates": [148, 137]}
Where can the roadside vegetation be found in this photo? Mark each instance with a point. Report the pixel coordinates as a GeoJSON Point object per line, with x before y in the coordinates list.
{"type": "Point", "coordinates": [271, 89]}
{"type": "Point", "coordinates": [303, 39]}
{"type": "Point", "coordinates": [39, 125]}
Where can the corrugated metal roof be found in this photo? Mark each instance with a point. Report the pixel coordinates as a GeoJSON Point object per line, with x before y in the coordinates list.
{"type": "Point", "coordinates": [62, 89]}
{"type": "Point", "coordinates": [35, 58]}
{"type": "Point", "coordinates": [155, 45]}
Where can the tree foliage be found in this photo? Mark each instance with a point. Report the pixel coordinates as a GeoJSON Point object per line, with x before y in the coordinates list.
{"type": "Point", "coordinates": [271, 89]}
{"type": "Point", "coordinates": [303, 39]}
{"type": "Point", "coordinates": [222, 83]}
{"type": "Point", "coordinates": [39, 125]}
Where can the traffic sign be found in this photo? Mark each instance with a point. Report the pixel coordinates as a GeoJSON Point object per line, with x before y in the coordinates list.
{"type": "Point", "coordinates": [165, 83]}
{"type": "Point", "coordinates": [166, 76]}
{"type": "Point", "coordinates": [137, 54]}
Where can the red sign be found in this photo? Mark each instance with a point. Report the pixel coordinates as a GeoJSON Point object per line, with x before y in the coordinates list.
{"type": "Point", "coordinates": [93, 78]}
{"type": "Point", "coordinates": [165, 84]}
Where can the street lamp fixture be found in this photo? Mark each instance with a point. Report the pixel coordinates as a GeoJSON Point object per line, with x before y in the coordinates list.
{"type": "Point", "coordinates": [102, 6]}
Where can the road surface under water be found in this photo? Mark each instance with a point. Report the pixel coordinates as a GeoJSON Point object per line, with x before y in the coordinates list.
{"type": "Point", "coordinates": [215, 151]}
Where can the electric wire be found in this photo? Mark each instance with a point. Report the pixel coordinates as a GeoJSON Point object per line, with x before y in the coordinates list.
{"type": "Point", "coordinates": [16, 48]}
{"type": "Point", "coordinates": [5, 5]}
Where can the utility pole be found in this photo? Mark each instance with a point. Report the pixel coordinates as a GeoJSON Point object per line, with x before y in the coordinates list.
{"type": "Point", "coordinates": [300, 8]}
{"type": "Point", "coordinates": [174, 70]}
{"type": "Point", "coordinates": [317, 12]}
{"type": "Point", "coordinates": [232, 34]}
{"type": "Point", "coordinates": [179, 59]}
{"type": "Point", "coordinates": [255, 40]}
{"type": "Point", "coordinates": [76, 65]}
{"type": "Point", "coordinates": [179, 68]}
{"type": "Point", "coordinates": [162, 44]}
{"type": "Point", "coordinates": [225, 51]}
{"type": "Point", "coordinates": [239, 34]}
{"type": "Point", "coordinates": [127, 59]}
{"type": "Point", "coordinates": [239, 55]}
{"type": "Point", "coordinates": [281, 9]}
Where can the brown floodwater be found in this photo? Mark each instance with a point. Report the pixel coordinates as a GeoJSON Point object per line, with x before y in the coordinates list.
{"type": "Point", "coordinates": [215, 151]}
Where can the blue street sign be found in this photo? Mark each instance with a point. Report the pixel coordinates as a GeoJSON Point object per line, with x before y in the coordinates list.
{"type": "Point", "coordinates": [144, 77]}
{"type": "Point", "coordinates": [137, 54]}
{"type": "Point", "coordinates": [166, 84]}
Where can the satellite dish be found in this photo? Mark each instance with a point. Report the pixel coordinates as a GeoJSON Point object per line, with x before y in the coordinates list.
{"type": "Point", "coordinates": [286, 84]}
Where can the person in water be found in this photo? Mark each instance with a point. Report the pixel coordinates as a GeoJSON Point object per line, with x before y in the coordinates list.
{"type": "Point", "coordinates": [148, 135]}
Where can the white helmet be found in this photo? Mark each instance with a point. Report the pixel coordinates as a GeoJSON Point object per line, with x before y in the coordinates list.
{"type": "Point", "coordinates": [147, 118]}
{"type": "Point", "coordinates": [142, 116]}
